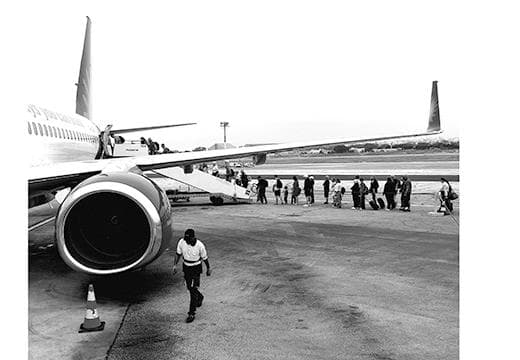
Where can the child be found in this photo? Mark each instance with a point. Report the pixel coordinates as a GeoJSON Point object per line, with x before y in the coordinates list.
{"type": "Point", "coordinates": [285, 194]}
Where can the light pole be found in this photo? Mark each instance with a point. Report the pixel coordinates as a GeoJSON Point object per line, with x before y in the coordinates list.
{"type": "Point", "coordinates": [224, 124]}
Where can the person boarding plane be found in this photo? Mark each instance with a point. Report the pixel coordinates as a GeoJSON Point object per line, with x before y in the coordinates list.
{"type": "Point", "coordinates": [114, 218]}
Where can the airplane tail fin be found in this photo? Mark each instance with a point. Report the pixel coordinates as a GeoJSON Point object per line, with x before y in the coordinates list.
{"type": "Point", "coordinates": [83, 104]}
{"type": "Point", "coordinates": [434, 123]}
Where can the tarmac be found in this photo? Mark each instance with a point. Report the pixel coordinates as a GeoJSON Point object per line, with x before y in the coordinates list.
{"type": "Point", "coordinates": [288, 282]}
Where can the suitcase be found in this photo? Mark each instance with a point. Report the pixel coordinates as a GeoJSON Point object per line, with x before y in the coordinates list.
{"type": "Point", "coordinates": [373, 204]}
{"type": "Point", "coordinates": [381, 203]}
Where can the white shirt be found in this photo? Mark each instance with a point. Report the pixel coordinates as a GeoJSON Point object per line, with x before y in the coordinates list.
{"type": "Point", "coordinates": [337, 187]}
{"type": "Point", "coordinates": [192, 254]}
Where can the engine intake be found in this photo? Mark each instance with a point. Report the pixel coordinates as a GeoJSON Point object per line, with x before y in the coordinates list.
{"type": "Point", "coordinates": [112, 223]}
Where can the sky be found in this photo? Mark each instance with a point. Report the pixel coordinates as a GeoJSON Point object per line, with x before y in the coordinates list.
{"type": "Point", "coordinates": [276, 71]}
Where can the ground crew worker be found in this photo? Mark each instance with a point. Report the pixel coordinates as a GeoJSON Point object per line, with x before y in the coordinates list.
{"type": "Point", "coordinates": [193, 252]}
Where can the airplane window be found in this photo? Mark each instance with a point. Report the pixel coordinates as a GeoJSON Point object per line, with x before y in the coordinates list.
{"type": "Point", "coordinates": [40, 128]}
{"type": "Point", "coordinates": [35, 129]}
{"type": "Point", "coordinates": [46, 131]}
{"type": "Point", "coordinates": [29, 127]}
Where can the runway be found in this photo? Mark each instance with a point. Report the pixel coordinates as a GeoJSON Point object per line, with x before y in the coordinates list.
{"type": "Point", "coordinates": [288, 283]}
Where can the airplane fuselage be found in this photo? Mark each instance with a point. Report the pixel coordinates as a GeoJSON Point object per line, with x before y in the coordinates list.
{"type": "Point", "coordinates": [55, 137]}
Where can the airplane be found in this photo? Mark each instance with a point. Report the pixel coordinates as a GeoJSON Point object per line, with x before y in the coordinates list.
{"type": "Point", "coordinates": [112, 218]}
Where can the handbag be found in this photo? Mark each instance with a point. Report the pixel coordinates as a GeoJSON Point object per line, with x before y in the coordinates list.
{"type": "Point", "coordinates": [453, 195]}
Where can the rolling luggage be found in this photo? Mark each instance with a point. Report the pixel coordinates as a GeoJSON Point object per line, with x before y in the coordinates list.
{"type": "Point", "coordinates": [373, 204]}
{"type": "Point", "coordinates": [381, 203]}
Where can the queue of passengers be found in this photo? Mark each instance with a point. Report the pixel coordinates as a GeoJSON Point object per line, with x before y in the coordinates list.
{"type": "Point", "coordinates": [359, 191]}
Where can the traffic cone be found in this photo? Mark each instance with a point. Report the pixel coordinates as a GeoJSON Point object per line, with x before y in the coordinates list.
{"type": "Point", "coordinates": [91, 322]}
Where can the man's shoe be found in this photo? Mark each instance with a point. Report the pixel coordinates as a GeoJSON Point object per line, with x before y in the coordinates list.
{"type": "Point", "coordinates": [190, 318]}
{"type": "Point", "coordinates": [199, 304]}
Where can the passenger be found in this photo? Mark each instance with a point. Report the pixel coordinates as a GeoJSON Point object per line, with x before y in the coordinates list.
{"type": "Point", "coordinates": [285, 194]}
{"type": "Point", "coordinates": [326, 189]}
{"type": "Point", "coordinates": [193, 252]}
{"type": "Point", "coordinates": [238, 181]}
{"type": "Point", "coordinates": [406, 194]}
{"type": "Point", "coordinates": [215, 170]}
{"type": "Point", "coordinates": [307, 190]}
{"type": "Point", "coordinates": [445, 194]}
{"type": "Point", "coordinates": [243, 179]}
{"type": "Point", "coordinates": [389, 193]}
{"type": "Point", "coordinates": [338, 190]}
{"type": "Point", "coordinates": [262, 184]}
{"type": "Point", "coordinates": [374, 185]}
{"type": "Point", "coordinates": [151, 147]}
{"type": "Point", "coordinates": [363, 192]}
{"type": "Point", "coordinates": [397, 186]}
{"type": "Point", "coordinates": [311, 178]}
{"type": "Point", "coordinates": [230, 173]}
{"type": "Point", "coordinates": [165, 150]}
{"type": "Point", "coordinates": [355, 191]}
{"type": "Point", "coordinates": [296, 190]}
{"type": "Point", "coordinates": [277, 189]}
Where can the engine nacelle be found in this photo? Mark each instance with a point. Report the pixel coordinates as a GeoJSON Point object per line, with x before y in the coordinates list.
{"type": "Point", "coordinates": [112, 223]}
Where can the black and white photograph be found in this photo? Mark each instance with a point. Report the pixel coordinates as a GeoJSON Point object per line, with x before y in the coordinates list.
{"type": "Point", "coordinates": [261, 180]}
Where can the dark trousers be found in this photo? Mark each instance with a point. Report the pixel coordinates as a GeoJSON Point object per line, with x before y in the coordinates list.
{"type": "Point", "coordinates": [362, 201]}
{"type": "Point", "coordinates": [192, 277]}
{"type": "Point", "coordinates": [405, 201]}
{"type": "Point", "coordinates": [356, 199]}
{"type": "Point", "coordinates": [261, 196]}
{"type": "Point", "coordinates": [390, 201]}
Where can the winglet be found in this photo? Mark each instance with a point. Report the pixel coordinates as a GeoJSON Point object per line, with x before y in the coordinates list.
{"type": "Point", "coordinates": [434, 123]}
{"type": "Point", "coordinates": [83, 105]}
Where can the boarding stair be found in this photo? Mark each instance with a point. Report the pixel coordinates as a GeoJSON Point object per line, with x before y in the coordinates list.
{"type": "Point", "coordinates": [203, 184]}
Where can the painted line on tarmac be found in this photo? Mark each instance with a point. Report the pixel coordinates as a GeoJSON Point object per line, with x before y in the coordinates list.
{"type": "Point", "coordinates": [117, 332]}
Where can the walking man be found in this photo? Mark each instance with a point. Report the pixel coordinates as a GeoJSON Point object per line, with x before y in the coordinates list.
{"type": "Point", "coordinates": [193, 253]}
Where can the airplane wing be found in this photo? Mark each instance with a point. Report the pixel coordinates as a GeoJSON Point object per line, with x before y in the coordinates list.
{"type": "Point", "coordinates": [122, 131]}
{"type": "Point", "coordinates": [60, 175]}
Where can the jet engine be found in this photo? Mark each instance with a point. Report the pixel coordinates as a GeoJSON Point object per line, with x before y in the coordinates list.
{"type": "Point", "coordinates": [112, 223]}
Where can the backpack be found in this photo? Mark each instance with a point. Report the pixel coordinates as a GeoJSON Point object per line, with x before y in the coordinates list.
{"type": "Point", "coordinates": [342, 190]}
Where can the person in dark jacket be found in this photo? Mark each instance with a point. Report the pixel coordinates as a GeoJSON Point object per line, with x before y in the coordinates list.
{"type": "Point", "coordinates": [277, 189]}
{"type": "Point", "coordinates": [355, 191]}
{"type": "Point", "coordinates": [363, 192]}
{"type": "Point", "coordinates": [406, 194]}
{"type": "Point", "coordinates": [311, 178]}
{"type": "Point", "coordinates": [389, 193]}
{"type": "Point", "coordinates": [295, 191]}
{"type": "Point", "coordinates": [326, 189]}
{"type": "Point", "coordinates": [374, 185]}
{"type": "Point", "coordinates": [243, 179]}
{"type": "Point", "coordinates": [307, 190]}
{"type": "Point", "coordinates": [261, 186]}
